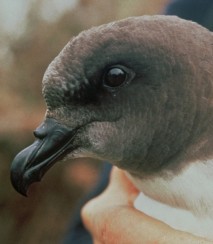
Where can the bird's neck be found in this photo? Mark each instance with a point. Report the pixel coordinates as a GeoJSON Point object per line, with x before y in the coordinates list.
{"type": "Point", "coordinates": [191, 189]}
{"type": "Point", "coordinates": [179, 219]}
{"type": "Point", "coordinates": [184, 201]}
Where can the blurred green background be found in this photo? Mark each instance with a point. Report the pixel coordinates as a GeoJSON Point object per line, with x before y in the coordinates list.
{"type": "Point", "coordinates": [32, 34]}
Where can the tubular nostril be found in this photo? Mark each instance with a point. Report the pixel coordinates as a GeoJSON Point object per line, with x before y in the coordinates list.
{"type": "Point", "coordinates": [40, 132]}
{"type": "Point", "coordinates": [37, 134]}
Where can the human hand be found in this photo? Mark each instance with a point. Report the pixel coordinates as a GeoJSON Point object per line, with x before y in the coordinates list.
{"type": "Point", "coordinates": [111, 218]}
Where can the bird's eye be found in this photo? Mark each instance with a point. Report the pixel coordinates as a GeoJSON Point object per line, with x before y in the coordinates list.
{"type": "Point", "coordinates": [114, 77]}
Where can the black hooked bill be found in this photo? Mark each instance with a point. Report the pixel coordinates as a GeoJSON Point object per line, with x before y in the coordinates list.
{"type": "Point", "coordinates": [53, 142]}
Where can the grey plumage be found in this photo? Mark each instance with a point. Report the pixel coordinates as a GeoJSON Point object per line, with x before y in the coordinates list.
{"type": "Point", "coordinates": [156, 123]}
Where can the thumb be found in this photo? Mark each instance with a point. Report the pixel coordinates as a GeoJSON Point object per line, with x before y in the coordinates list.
{"type": "Point", "coordinates": [119, 193]}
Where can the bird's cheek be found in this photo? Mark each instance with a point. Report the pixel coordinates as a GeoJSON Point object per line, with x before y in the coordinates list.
{"type": "Point", "coordinates": [102, 137]}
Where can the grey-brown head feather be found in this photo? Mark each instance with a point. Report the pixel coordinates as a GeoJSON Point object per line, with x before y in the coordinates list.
{"type": "Point", "coordinates": [160, 118]}
{"type": "Point", "coordinates": [164, 109]}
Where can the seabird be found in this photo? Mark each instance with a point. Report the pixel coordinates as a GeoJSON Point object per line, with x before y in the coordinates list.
{"type": "Point", "coordinates": [138, 93]}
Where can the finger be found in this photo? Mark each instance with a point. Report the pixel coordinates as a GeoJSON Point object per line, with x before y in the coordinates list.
{"type": "Point", "coordinates": [127, 225]}
{"type": "Point", "coordinates": [119, 179]}
{"type": "Point", "coordinates": [120, 192]}
{"type": "Point", "coordinates": [120, 188]}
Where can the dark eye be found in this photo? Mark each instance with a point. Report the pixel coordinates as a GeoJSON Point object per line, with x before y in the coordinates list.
{"type": "Point", "coordinates": [114, 77]}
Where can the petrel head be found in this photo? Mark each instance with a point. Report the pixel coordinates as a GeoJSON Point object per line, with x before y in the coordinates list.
{"type": "Point", "coordinates": [136, 92]}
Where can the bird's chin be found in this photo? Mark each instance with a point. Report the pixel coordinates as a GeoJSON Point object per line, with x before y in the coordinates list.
{"type": "Point", "coordinates": [80, 153]}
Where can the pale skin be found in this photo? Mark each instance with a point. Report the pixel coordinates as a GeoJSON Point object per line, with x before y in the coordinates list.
{"type": "Point", "coordinates": [112, 219]}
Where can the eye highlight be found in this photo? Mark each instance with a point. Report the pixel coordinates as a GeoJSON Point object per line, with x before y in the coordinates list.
{"type": "Point", "coordinates": [115, 77]}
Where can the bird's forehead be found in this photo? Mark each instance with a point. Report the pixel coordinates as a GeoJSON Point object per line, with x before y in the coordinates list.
{"type": "Point", "coordinates": [139, 41]}
{"type": "Point", "coordinates": [82, 57]}
{"type": "Point", "coordinates": [103, 44]}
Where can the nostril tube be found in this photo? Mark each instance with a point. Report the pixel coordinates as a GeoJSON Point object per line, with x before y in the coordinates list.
{"type": "Point", "coordinates": [40, 132]}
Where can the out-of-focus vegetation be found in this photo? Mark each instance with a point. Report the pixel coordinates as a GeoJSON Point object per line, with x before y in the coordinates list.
{"type": "Point", "coordinates": [43, 216]}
